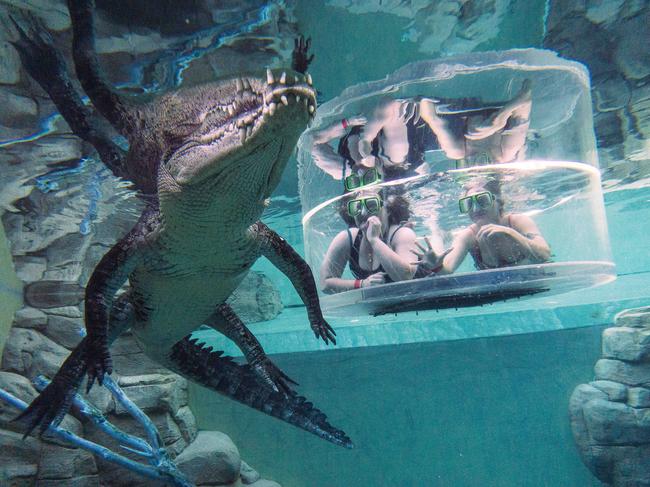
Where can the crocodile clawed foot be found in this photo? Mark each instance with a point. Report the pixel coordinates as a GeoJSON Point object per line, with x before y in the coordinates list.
{"type": "Point", "coordinates": [272, 376]}
{"type": "Point", "coordinates": [322, 329]}
{"type": "Point", "coordinates": [48, 409]}
{"type": "Point", "coordinates": [300, 56]}
{"type": "Point", "coordinates": [99, 362]}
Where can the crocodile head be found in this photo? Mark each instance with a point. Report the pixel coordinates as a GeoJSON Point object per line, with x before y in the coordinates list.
{"type": "Point", "coordinates": [243, 128]}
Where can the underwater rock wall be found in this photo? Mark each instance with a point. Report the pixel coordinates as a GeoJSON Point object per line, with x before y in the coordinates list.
{"type": "Point", "coordinates": [62, 210]}
{"type": "Point", "coordinates": [611, 37]}
{"type": "Point", "coordinates": [610, 416]}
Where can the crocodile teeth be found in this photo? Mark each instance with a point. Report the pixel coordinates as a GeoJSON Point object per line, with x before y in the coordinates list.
{"type": "Point", "coordinates": [312, 109]}
{"type": "Point", "coordinates": [269, 76]}
{"type": "Point", "coordinates": [306, 101]}
{"type": "Point", "coordinates": [297, 98]}
{"type": "Point", "coordinates": [231, 110]}
{"type": "Point", "coordinates": [284, 100]}
{"type": "Point", "coordinates": [283, 78]}
{"type": "Point", "coordinates": [242, 134]}
{"type": "Point", "coordinates": [239, 86]}
{"type": "Point", "coordinates": [249, 131]}
{"type": "Point", "coordinates": [272, 107]}
{"type": "Point", "coordinates": [308, 78]}
{"type": "Point", "coordinates": [246, 84]}
{"type": "Point", "coordinates": [265, 110]}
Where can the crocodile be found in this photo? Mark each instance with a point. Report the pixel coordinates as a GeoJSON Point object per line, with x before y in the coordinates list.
{"type": "Point", "coordinates": [205, 160]}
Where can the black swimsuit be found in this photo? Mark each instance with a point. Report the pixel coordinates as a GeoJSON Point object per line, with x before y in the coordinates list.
{"type": "Point", "coordinates": [357, 271]}
{"type": "Point", "coordinates": [344, 150]}
{"type": "Point", "coordinates": [420, 138]}
{"type": "Point", "coordinates": [360, 273]}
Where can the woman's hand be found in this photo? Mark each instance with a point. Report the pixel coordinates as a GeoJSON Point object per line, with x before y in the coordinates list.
{"type": "Point", "coordinates": [428, 258]}
{"type": "Point", "coordinates": [373, 229]}
{"type": "Point", "coordinates": [374, 279]}
{"type": "Point", "coordinates": [492, 238]}
{"type": "Point", "coordinates": [489, 230]}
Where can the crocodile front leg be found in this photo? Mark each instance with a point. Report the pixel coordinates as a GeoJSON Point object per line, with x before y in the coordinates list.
{"type": "Point", "coordinates": [54, 401]}
{"type": "Point", "coordinates": [226, 321]}
{"type": "Point", "coordinates": [282, 256]}
{"type": "Point", "coordinates": [92, 79]}
{"type": "Point", "coordinates": [109, 275]}
{"type": "Point", "coordinates": [47, 66]}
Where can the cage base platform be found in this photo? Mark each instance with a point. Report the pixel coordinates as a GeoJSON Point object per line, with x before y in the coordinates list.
{"type": "Point", "coordinates": [469, 288]}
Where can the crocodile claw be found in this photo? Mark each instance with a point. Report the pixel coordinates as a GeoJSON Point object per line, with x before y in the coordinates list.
{"type": "Point", "coordinates": [99, 362]}
{"type": "Point", "coordinates": [52, 404]}
{"type": "Point", "coordinates": [300, 58]}
{"type": "Point", "coordinates": [322, 329]}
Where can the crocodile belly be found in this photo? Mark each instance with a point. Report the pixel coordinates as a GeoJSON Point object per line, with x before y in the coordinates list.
{"type": "Point", "coordinates": [169, 309]}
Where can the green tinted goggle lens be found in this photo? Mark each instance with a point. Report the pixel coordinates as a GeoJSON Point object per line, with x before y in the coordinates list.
{"type": "Point", "coordinates": [480, 200]}
{"type": "Point", "coordinates": [355, 181]}
{"type": "Point", "coordinates": [372, 204]}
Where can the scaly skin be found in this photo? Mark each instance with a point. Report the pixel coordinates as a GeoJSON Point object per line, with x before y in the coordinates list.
{"type": "Point", "coordinates": [205, 160]}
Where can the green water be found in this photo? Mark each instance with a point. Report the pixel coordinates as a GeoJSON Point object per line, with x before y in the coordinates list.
{"type": "Point", "coordinates": [486, 412]}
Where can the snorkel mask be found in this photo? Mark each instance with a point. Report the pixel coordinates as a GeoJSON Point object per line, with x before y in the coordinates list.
{"type": "Point", "coordinates": [478, 201]}
{"type": "Point", "coordinates": [356, 181]}
{"type": "Point", "coordinates": [372, 205]}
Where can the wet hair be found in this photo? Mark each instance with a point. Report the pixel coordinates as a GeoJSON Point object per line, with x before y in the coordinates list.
{"type": "Point", "coordinates": [397, 208]}
{"type": "Point", "coordinates": [343, 210]}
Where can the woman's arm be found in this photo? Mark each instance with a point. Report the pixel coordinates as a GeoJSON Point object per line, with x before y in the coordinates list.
{"type": "Point", "coordinates": [327, 159]}
{"type": "Point", "coordinates": [396, 258]}
{"type": "Point", "coordinates": [460, 247]}
{"type": "Point", "coordinates": [529, 235]}
{"type": "Point", "coordinates": [334, 263]}
{"type": "Point", "coordinates": [451, 259]}
{"type": "Point", "coordinates": [325, 156]}
{"type": "Point", "coordinates": [368, 134]}
{"type": "Point", "coordinates": [337, 129]}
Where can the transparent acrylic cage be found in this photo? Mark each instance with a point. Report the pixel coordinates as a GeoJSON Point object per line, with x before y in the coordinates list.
{"type": "Point", "coordinates": [556, 182]}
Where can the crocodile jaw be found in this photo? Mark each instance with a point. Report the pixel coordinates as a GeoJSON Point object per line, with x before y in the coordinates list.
{"type": "Point", "coordinates": [233, 122]}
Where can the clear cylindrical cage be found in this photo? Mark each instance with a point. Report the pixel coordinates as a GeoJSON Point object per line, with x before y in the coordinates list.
{"type": "Point", "coordinates": [521, 118]}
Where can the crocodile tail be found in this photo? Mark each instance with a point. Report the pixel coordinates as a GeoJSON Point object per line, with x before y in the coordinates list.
{"type": "Point", "coordinates": [52, 404]}
{"type": "Point", "coordinates": [221, 373]}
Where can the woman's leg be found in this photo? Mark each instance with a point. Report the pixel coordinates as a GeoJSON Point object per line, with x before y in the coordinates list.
{"type": "Point", "coordinates": [450, 143]}
{"type": "Point", "coordinates": [517, 111]}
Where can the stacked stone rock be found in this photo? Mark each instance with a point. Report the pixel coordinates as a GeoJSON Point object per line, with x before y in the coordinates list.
{"type": "Point", "coordinates": [57, 233]}
{"type": "Point", "coordinates": [208, 458]}
{"type": "Point", "coordinates": [610, 416]}
{"type": "Point", "coordinates": [53, 259]}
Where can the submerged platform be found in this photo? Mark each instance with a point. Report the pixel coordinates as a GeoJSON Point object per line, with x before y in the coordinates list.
{"type": "Point", "coordinates": [468, 289]}
{"type": "Point", "coordinates": [289, 332]}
